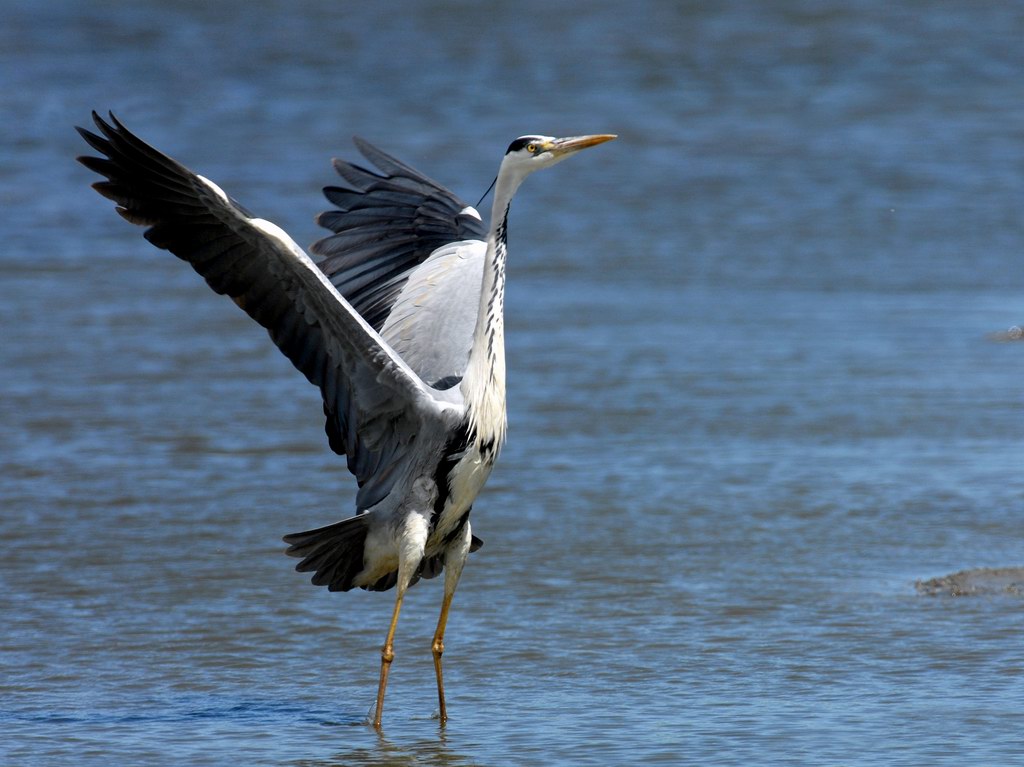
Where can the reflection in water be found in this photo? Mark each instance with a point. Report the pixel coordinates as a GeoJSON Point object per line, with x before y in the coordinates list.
{"type": "Point", "coordinates": [388, 754]}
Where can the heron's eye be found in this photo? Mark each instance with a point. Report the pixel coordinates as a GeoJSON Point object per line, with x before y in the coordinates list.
{"type": "Point", "coordinates": [531, 148]}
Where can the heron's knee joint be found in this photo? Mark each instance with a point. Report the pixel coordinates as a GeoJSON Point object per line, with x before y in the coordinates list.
{"type": "Point", "coordinates": [438, 647]}
{"type": "Point", "coordinates": [387, 654]}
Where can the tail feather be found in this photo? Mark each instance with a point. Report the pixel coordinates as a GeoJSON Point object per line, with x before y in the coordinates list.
{"type": "Point", "coordinates": [334, 554]}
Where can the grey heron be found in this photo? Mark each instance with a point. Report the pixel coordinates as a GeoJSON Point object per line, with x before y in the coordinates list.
{"type": "Point", "coordinates": [399, 324]}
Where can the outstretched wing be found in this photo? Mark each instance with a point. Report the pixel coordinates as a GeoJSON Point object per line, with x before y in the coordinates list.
{"type": "Point", "coordinates": [375, 404]}
{"type": "Point", "coordinates": [386, 225]}
{"type": "Point", "coordinates": [408, 255]}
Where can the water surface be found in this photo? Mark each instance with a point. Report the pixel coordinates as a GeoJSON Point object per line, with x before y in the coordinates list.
{"type": "Point", "coordinates": [753, 394]}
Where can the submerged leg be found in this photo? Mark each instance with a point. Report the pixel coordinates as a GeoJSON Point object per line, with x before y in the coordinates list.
{"type": "Point", "coordinates": [454, 561]}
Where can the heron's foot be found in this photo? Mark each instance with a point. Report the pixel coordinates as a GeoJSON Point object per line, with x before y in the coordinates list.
{"type": "Point", "coordinates": [438, 650]}
{"type": "Point", "coordinates": [442, 719]}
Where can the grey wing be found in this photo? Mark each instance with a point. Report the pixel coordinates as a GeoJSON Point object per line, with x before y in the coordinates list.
{"type": "Point", "coordinates": [375, 404]}
{"type": "Point", "coordinates": [432, 320]}
{"type": "Point", "coordinates": [386, 226]}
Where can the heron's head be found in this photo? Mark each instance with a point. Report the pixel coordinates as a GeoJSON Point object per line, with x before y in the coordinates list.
{"type": "Point", "coordinates": [529, 153]}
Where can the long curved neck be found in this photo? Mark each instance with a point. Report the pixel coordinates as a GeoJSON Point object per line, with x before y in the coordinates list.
{"type": "Point", "coordinates": [484, 383]}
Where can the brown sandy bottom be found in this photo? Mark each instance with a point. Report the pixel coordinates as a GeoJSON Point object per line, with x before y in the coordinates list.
{"type": "Point", "coordinates": [979, 581]}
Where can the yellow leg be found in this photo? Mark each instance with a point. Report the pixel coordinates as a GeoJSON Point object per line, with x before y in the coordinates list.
{"type": "Point", "coordinates": [438, 649]}
{"type": "Point", "coordinates": [387, 655]}
{"type": "Point", "coordinates": [454, 560]}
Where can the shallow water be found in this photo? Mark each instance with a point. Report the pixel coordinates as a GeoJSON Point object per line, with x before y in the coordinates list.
{"type": "Point", "coordinates": [753, 392]}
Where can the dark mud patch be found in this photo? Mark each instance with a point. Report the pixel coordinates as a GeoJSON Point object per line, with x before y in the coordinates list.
{"type": "Point", "coordinates": [981, 581]}
{"type": "Point", "coordinates": [1015, 333]}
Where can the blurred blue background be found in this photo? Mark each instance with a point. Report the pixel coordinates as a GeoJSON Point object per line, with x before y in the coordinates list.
{"type": "Point", "coordinates": [755, 377]}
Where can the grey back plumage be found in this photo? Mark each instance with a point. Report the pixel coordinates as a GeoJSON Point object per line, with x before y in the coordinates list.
{"type": "Point", "coordinates": [432, 321]}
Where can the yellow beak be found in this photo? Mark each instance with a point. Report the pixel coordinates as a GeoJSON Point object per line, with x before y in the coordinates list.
{"type": "Point", "coordinates": [570, 144]}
